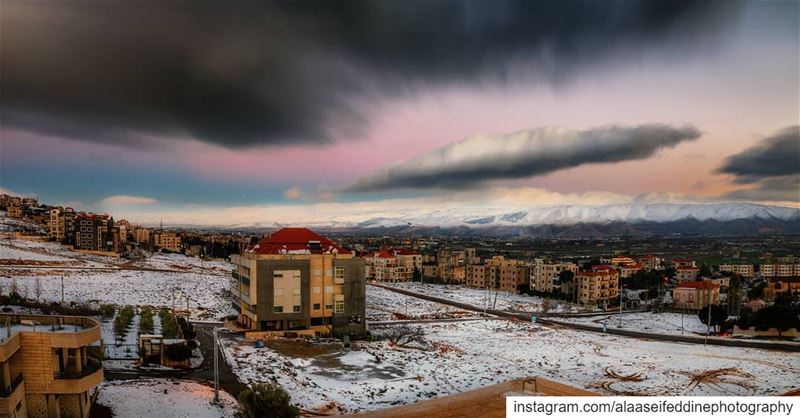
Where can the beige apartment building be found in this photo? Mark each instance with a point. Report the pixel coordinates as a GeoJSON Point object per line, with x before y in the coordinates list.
{"type": "Point", "coordinates": [56, 226]}
{"type": "Point", "coordinates": [686, 273]}
{"type": "Point", "coordinates": [545, 275]}
{"type": "Point", "coordinates": [779, 270]}
{"type": "Point", "coordinates": [649, 261]}
{"type": "Point", "coordinates": [599, 287]}
{"type": "Point", "coordinates": [51, 366]}
{"type": "Point", "coordinates": [695, 295]}
{"type": "Point", "coordinates": [392, 266]}
{"type": "Point", "coordinates": [628, 270]}
{"type": "Point", "coordinates": [781, 285]}
{"type": "Point", "coordinates": [744, 270]}
{"type": "Point", "coordinates": [141, 235]}
{"type": "Point", "coordinates": [168, 241]}
{"type": "Point", "coordinates": [497, 273]}
{"type": "Point", "coordinates": [295, 280]}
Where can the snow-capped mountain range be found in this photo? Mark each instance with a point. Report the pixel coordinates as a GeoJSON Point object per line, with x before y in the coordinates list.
{"type": "Point", "coordinates": [578, 214]}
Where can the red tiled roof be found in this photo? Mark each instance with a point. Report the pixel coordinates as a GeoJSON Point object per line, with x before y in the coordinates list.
{"type": "Point", "coordinates": [296, 240]}
{"type": "Point", "coordinates": [697, 285]}
{"type": "Point", "coordinates": [405, 251]}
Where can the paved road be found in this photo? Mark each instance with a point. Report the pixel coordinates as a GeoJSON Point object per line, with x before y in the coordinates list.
{"type": "Point", "coordinates": [204, 373]}
{"type": "Point", "coordinates": [769, 345]}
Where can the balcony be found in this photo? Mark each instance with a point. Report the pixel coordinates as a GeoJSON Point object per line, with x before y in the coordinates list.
{"type": "Point", "coordinates": [15, 383]}
{"type": "Point", "coordinates": [63, 331]}
{"type": "Point", "coordinates": [10, 397]}
{"type": "Point", "coordinates": [93, 364]}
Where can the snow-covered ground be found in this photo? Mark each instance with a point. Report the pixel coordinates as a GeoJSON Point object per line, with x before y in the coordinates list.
{"type": "Point", "coordinates": [164, 398]}
{"type": "Point", "coordinates": [662, 323]}
{"type": "Point", "coordinates": [496, 300]}
{"type": "Point", "coordinates": [467, 355]}
{"type": "Point", "coordinates": [385, 305]}
{"type": "Point", "coordinates": [207, 288]}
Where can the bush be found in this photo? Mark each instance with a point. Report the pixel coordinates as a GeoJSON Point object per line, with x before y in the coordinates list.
{"type": "Point", "coordinates": [146, 320]}
{"type": "Point", "coordinates": [123, 321]}
{"type": "Point", "coordinates": [266, 400]}
{"type": "Point", "coordinates": [178, 352]}
{"type": "Point", "coordinates": [169, 326]}
{"type": "Point", "coordinates": [107, 311]}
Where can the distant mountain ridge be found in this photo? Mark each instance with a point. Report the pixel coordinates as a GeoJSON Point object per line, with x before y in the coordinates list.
{"type": "Point", "coordinates": [573, 220]}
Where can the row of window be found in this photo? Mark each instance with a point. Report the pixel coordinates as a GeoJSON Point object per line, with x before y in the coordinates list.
{"type": "Point", "coordinates": [338, 307]}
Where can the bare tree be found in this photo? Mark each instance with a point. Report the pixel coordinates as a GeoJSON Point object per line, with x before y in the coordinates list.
{"type": "Point", "coordinates": [14, 287]}
{"type": "Point", "coordinates": [37, 288]}
{"type": "Point", "coordinates": [546, 302]}
{"type": "Point", "coordinates": [404, 336]}
{"type": "Point", "coordinates": [2, 288]}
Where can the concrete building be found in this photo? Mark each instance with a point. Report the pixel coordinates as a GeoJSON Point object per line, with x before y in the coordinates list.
{"type": "Point", "coordinates": [14, 211]}
{"type": "Point", "coordinates": [686, 273]}
{"type": "Point", "coordinates": [167, 240]}
{"type": "Point", "coordinates": [695, 295]}
{"type": "Point", "coordinates": [599, 287]}
{"type": "Point", "coordinates": [779, 270]}
{"type": "Point", "coordinates": [744, 270]}
{"type": "Point", "coordinates": [392, 266]}
{"type": "Point", "coordinates": [51, 366]}
{"type": "Point", "coordinates": [778, 286]}
{"type": "Point", "coordinates": [544, 276]}
{"type": "Point", "coordinates": [650, 262]}
{"type": "Point", "coordinates": [628, 270]}
{"type": "Point", "coordinates": [497, 273]}
{"type": "Point", "coordinates": [94, 232]}
{"type": "Point", "coordinates": [56, 226]}
{"type": "Point", "coordinates": [683, 262]}
{"type": "Point", "coordinates": [141, 235]}
{"type": "Point", "coordinates": [296, 280]}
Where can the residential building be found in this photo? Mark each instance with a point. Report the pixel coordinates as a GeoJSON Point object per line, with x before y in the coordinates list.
{"type": "Point", "coordinates": [94, 232]}
{"type": "Point", "coordinates": [649, 262]}
{"type": "Point", "coordinates": [297, 280]}
{"type": "Point", "coordinates": [56, 227]}
{"type": "Point", "coordinates": [694, 295]}
{"type": "Point", "coordinates": [69, 226]}
{"type": "Point", "coordinates": [599, 287]}
{"type": "Point", "coordinates": [51, 366]}
{"type": "Point", "coordinates": [475, 275]}
{"type": "Point", "coordinates": [391, 266]}
{"type": "Point", "coordinates": [779, 270]}
{"type": "Point", "coordinates": [141, 235]}
{"type": "Point", "coordinates": [545, 276]}
{"type": "Point", "coordinates": [497, 273]}
{"type": "Point", "coordinates": [683, 262]}
{"type": "Point", "coordinates": [686, 273]}
{"type": "Point", "coordinates": [781, 285]}
{"type": "Point", "coordinates": [14, 211]}
{"type": "Point", "coordinates": [620, 260]}
{"type": "Point", "coordinates": [168, 241]}
{"type": "Point", "coordinates": [744, 270]}
{"type": "Point", "coordinates": [629, 269]}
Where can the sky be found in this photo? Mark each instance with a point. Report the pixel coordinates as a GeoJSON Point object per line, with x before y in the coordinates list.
{"type": "Point", "coordinates": [241, 112]}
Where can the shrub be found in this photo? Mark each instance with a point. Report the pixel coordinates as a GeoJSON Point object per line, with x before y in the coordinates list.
{"type": "Point", "coordinates": [146, 320]}
{"type": "Point", "coordinates": [107, 311]}
{"type": "Point", "coordinates": [266, 400]}
{"type": "Point", "coordinates": [169, 326]}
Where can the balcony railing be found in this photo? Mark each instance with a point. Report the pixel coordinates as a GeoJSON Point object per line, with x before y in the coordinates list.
{"type": "Point", "coordinates": [6, 392]}
{"type": "Point", "coordinates": [93, 364]}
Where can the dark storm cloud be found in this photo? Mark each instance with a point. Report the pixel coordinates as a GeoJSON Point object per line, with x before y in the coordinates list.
{"type": "Point", "coordinates": [772, 166]}
{"type": "Point", "coordinates": [776, 155]}
{"type": "Point", "coordinates": [533, 152]}
{"type": "Point", "coordinates": [249, 73]}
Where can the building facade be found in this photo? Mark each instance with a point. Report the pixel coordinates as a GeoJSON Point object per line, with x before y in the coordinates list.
{"type": "Point", "coordinates": [545, 276]}
{"type": "Point", "coordinates": [695, 295]}
{"type": "Point", "coordinates": [686, 273]}
{"type": "Point", "coordinates": [782, 285]}
{"type": "Point", "coordinates": [51, 366]}
{"type": "Point", "coordinates": [296, 280]}
{"type": "Point", "coordinates": [744, 270]}
{"type": "Point", "coordinates": [779, 270]}
{"type": "Point", "coordinates": [599, 287]}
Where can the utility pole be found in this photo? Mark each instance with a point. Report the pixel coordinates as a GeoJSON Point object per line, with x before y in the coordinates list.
{"type": "Point", "coordinates": [216, 367]}
{"type": "Point", "coordinates": [620, 309]}
{"type": "Point", "coordinates": [708, 323]}
{"type": "Point", "coordinates": [62, 290]}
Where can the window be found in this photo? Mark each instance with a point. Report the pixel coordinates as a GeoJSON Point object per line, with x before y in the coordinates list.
{"type": "Point", "coordinates": [328, 272]}
{"type": "Point", "coordinates": [296, 291]}
{"type": "Point", "coordinates": [317, 272]}
{"type": "Point", "coordinates": [338, 276]}
{"type": "Point", "coordinates": [278, 291]}
{"type": "Point", "coordinates": [328, 289]}
{"type": "Point", "coordinates": [277, 275]}
{"type": "Point", "coordinates": [277, 309]}
{"type": "Point", "coordinates": [339, 306]}
{"type": "Point", "coordinates": [316, 289]}
{"type": "Point", "coordinates": [328, 306]}
{"type": "Point", "coordinates": [296, 308]}
{"type": "Point", "coordinates": [316, 306]}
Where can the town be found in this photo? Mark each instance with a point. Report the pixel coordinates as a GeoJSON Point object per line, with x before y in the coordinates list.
{"type": "Point", "coordinates": [146, 302]}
